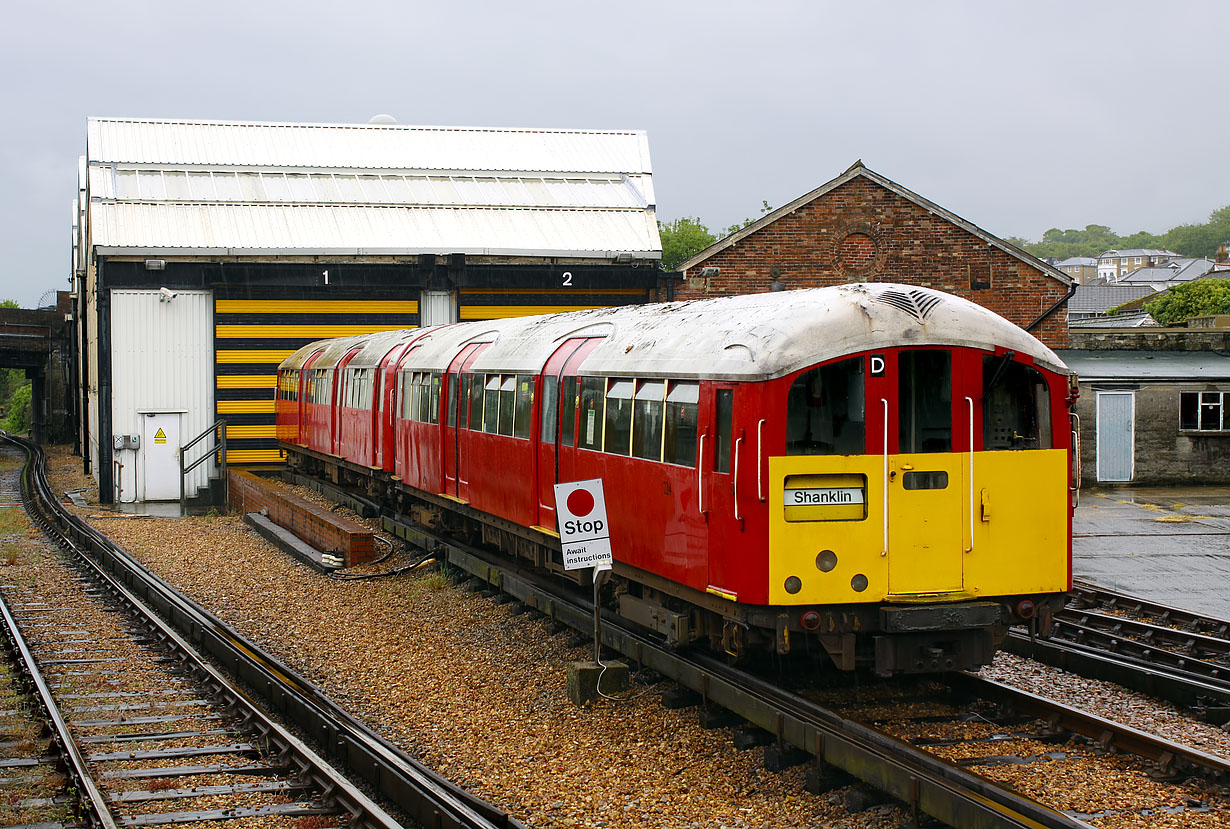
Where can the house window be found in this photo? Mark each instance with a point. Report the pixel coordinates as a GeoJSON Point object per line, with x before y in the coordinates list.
{"type": "Point", "coordinates": [1137, 260]}
{"type": "Point", "coordinates": [1201, 411]}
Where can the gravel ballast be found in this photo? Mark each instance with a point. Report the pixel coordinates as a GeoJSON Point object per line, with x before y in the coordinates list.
{"type": "Point", "coordinates": [477, 692]}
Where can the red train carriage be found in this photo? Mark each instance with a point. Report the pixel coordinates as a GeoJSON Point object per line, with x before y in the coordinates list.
{"type": "Point", "coordinates": [879, 473]}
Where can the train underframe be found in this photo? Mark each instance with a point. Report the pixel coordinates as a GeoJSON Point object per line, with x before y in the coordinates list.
{"type": "Point", "coordinates": [880, 637]}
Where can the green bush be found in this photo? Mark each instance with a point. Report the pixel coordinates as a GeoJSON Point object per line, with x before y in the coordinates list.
{"type": "Point", "coordinates": [18, 418]}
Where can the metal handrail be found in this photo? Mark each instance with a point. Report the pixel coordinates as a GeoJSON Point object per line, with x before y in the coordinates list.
{"type": "Point", "coordinates": [218, 426]}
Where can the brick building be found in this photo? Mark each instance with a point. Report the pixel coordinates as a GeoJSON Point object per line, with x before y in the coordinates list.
{"type": "Point", "coordinates": [863, 227]}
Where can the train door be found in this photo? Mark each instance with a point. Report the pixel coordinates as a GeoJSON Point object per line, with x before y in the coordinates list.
{"type": "Point", "coordinates": [715, 465]}
{"type": "Point", "coordinates": [307, 386]}
{"type": "Point", "coordinates": [340, 410]}
{"type": "Point", "coordinates": [556, 429]}
{"type": "Point", "coordinates": [926, 539]}
{"type": "Point", "coordinates": [455, 416]}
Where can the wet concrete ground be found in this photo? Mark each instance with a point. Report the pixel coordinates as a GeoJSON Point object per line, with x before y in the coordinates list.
{"type": "Point", "coordinates": [1167, 544]}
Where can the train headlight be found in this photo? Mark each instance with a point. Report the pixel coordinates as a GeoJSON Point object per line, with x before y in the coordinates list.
{"type": "Point", "coordinates": [1026, 609]}
{"type": "Point", "coordinates": [810, 620]}
{"type": "Point", "coordinates": [826, 561]}
{"type": "Point", "coordinates": [793, 585]}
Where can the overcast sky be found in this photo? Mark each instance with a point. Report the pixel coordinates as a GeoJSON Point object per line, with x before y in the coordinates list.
{"type": "Point", "coordinates": [1016, 116]}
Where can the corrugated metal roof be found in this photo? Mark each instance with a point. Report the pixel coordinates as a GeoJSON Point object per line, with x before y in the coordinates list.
{"type": "Point", "coordinates": [239, 229]}
{"type": "Point", "coordinates": [367, 146]}
{"type": "Point", "coordinates": [1106, 366]}
{"type": "Point", "coordinates": [1129, 319]}
{"type": "Point", "coordinates": [189, 187]}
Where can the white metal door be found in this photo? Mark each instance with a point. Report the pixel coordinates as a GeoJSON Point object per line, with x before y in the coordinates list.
{"type": "Point", "coordinates": [437, 308]}
{"type": "Point", "coordinates": [1116, 435]}
{"type": "Point", "coordinates": [160, 447]}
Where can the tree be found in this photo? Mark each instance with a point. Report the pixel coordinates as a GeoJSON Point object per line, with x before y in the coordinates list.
{"type": "Point", "coordinates": [735, 228]}
{"type": "Point", "coordinates": [1188, 240]}
{"type": "Point", "coordinates": [1198, 298]}
{"type": "Point", "coordinates": [682, 239]}
{"type": "Point", "coordinates": [12, 381]}
{"type": "Point", "coordinates": [18, 418]}
{"type": "Point", "coordinates": [1201, 240]}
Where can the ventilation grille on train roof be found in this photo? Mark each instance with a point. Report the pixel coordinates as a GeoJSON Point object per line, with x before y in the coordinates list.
{"type": "Point", "coordinates": [917, 304]}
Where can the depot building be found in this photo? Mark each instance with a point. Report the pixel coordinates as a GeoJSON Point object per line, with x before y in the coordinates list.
{"type": "Point", "coordinates": [206, 252]}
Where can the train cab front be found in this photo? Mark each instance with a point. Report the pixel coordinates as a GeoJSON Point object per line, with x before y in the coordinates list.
{"type": "Point", "coordinates": [921, 507]}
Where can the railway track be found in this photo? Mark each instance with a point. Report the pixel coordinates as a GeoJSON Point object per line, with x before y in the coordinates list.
{"type": "Point", "coordinates": [147, 730]}
{"type": "Point", "coordinates": [796, 728]}
{"type": "Point", "coordinates": [1166, 652]}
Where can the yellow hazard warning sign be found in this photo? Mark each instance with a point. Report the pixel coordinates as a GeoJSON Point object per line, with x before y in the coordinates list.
{"type": "Point", "coordinates": [160, 436]}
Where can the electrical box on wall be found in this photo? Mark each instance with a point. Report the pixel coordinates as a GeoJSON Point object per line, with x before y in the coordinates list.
{"type": "Point", "coordinates": [126, 442]}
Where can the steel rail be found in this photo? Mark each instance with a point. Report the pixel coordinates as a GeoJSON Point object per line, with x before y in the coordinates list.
{"type": "Point", "coordinates": [1187, 689]}
{"type": "Point", "coordinates": [1171, 650]}
{"type": "Point", "coordinates": [1167, 754]}
{"type": "Point", "coordinates": [91, 802]}
{"type": "Point", "coordinates": [1093, 596]}
{"type": "Point", "coordinates": [1188, 644]}
{"type": "Point", "coordinates": [426, 797]}
{"type": "Point", "coordinates": [924, 782]}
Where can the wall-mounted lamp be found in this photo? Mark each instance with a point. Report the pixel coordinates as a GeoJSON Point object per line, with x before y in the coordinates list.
{"type": "Point", "coordinates": [155, 264]}
{"type": "Point", "coordinates": [710, 271]}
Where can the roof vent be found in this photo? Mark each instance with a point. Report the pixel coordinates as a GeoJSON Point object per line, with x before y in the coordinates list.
{"type": "Point", "coordinates": [382, 118]}
{"type": "Point", "coordinates": [917, 304]}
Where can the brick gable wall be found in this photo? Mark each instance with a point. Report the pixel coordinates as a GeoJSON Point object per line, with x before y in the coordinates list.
{"type": "Point", "coordinates": [863, 232]}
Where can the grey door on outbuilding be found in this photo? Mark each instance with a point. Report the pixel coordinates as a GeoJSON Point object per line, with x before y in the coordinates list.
{"type": "Point", "coordinates": [1116, 425]}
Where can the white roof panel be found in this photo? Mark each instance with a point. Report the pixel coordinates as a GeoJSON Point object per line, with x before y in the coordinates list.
{"type": "Point", "coordinates": [184, 187]}
{"type": "Point", "coordinates": [239, 229]}
{"type": "Point", "coordinates": [370, 146]}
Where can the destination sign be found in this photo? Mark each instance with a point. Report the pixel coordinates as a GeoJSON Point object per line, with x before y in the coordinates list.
{"type": "Point", "coordinates": [823, 496]}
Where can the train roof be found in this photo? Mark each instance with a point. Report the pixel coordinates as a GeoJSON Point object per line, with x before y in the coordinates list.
{"type": "Point", "coordinates": [737, 338]}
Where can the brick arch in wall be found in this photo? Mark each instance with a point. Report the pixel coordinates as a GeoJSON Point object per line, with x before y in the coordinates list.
{"type": "Point", "coordinates": [857, 249]}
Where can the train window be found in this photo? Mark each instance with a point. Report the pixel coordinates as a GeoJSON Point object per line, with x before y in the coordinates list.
{"type": "Point", "coordinates": [568, 414]}
{"type": "Point", "coordinates": [647, 418]}
{"type": "Point", "coordinates": [376, 390]}
{"type": "Point", "coordinates": [724, 408]}
{"type": "Point", "coordinates": [452, 399]}
{"type": "Point", "coordinates": [679, 444]}
{"type": "Point", "coordinates": [408, 396]}
{"type": "Point", "coordinates": [619, 416]}
{"type": "Point", "coordinates": [508, 393]}
{"type": "Point", "coordinates": [824, 411]}
{"type": "Point", "coordinates": [1016, 410]}
{"type": "Point", "coordinates": [491, 405]}
{"type": "Point", "coordinates": [475, 385]}
{"type": "Point", "coordinates": [591, 413]}
{"type": "Point", "coordinates": [421, 394]}
{"type": "Point", "coordinates": [433, 401]}
{"type": "Point", "coordinates": [549, 413]}
{"type": "Point", "coordinates": [924, 401]}
{"type": "Point", "coordinates": [522, 408]}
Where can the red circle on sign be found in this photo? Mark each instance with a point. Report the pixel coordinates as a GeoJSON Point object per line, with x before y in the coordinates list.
{"type": "Point", "coordinates": [580, 502]}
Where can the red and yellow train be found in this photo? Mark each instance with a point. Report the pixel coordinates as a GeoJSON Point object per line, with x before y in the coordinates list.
{"type": "Point", "coordinates": [877, 474]}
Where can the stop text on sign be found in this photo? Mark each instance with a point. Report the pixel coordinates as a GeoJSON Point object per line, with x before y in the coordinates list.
{"type": "Point", "coordinates": [584, 532]}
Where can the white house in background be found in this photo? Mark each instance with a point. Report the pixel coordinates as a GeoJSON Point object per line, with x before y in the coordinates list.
{"type": "Point", "coordinates": [1113, 265]}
